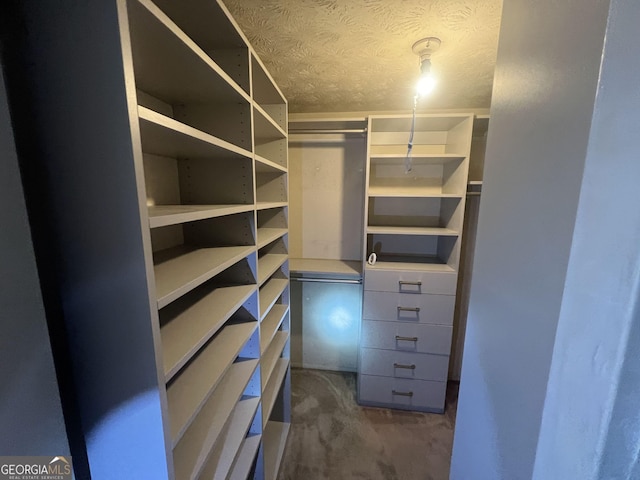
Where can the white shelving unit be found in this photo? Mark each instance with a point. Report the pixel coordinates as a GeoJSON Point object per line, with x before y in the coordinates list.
{"type": "Point", "coordinates": [413, 224]}
{"type": "Point", "coordinates": [184, 153]}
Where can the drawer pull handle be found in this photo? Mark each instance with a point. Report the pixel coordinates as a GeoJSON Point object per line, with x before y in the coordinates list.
{"type": "Point", "coordinates": [409, 309]}
{"type": "Point", "coordinates": [406, 339]}
{"type": "Point", "coordinates": [402, 394]}
{"type": "Point", "coordinates": [408, 367]}
{"type": "Point", "coordinates": [406, 282]}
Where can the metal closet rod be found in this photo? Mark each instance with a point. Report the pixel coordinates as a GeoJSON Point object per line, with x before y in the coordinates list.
{"type": "Point", "coordinates": [325, 280]}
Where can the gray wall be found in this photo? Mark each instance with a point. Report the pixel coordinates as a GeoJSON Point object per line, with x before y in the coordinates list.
{"type": "Point", "coordinates": [31, 419]}
{"type": "Point", "coordinates": [545, 85]}
{"type": "Point", "coordinates": [591, 422]}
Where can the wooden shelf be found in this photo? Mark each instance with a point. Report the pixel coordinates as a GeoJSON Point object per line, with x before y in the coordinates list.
{"type": "Point", "coordinates": [269, 326]}
{"type": "Point", "coordinates": [423, 122]}
{"type": "Point", "coordinates": [398, 191]}
{"type": "Point", "coordinates": [246, 457]}
{"type": "Point", "coordinates": [192, 386]}
{"type": "Point", "coordinates": [275, 439]}
{"type": "Point", "coordinates": [432, 231]}
{"type": "Point", "coordinates": [273, 386]}
{"type": "Point", "coordinates": [408, 265]}
{"type": "Point", "coordinates": [269, 359]}
{"type": "Point", "coordinates": [192, 327]}
{"type": "Point", "coordinates": [179, 270]}
{"type": "Point", "coordinates": [268, 205]}
{"type": "Point", "coordinates": [164, 215]}
{"type": "Point", "coordinates": [347, 268]}
{"type": "Point", "coordinates": [266, 128]}
{"type": "Point", "coordinates": [416, 158]}
{"type": "Point", "coordinates": [164, 136]}
{"type": "Point", "coordinates": [267, 166]}
{"type": "Point", "coordinates": [268, 235]}
{"type": "Point", "coordinates": [190, 454]}
{"type": "Point", "coordinates": [164, 57]}
{"type": "Point", "coordinates": [225, 452]}
{"type": "Point", "coordinates": [268, 264]}
{"type": "Point", "coordinates": [269, 293]}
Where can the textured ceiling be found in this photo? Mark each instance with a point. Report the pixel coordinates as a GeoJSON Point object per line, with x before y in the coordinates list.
{"type": "Point", "coordinates": [355, 55]}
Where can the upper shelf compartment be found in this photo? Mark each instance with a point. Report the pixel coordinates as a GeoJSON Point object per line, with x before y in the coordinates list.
{"type": "Point", "coordinates": [175, 77]}
{"type": "Point", "coordinates": [434, 134]}
{"type": "Point", "coordinates": [209, 24]}
{"type": "Point", "coordinates": [267, 94]}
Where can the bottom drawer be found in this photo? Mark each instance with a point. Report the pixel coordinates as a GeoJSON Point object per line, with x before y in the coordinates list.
{"type": "Point", "coordinates": [391, 363]}
{"type": "Point", "coordinates": [406, 394]}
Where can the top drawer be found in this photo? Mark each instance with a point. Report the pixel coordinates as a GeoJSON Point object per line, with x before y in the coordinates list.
{"type": "Point", "coordinates": [410, 281]}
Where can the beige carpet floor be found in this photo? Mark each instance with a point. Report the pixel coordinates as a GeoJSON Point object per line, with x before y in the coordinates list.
{"type": "Point", "coordinates": [332, 437]}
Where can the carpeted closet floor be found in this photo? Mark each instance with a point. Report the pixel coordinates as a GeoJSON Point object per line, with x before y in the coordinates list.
{"type": "Point", "coordinates": [331, 437]}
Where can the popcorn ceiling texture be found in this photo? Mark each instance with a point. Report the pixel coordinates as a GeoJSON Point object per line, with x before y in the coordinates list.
{"type": "Point", "coordinates": [354, 55]}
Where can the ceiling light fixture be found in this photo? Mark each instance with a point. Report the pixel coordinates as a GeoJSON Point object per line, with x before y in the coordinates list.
{"type": "Point", "coordinates": [424, 48]}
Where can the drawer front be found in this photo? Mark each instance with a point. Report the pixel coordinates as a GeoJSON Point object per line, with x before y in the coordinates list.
{"type": "Point", "coordinates": [409, 281]}
{"type": "Point", "coordinates": [402, 393]}
{"type": "Point", "coordinates": [406, 337]}
{"type": "Point", "coordinates": [391, 363]}
{"type": "Point", "coordinates": [407, 307]}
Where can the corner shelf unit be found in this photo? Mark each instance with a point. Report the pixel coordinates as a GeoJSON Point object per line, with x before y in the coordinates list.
{"type": "Point", "coordinates": [202, 142]}
{"type": "Point", "coordinates": [414, 209]}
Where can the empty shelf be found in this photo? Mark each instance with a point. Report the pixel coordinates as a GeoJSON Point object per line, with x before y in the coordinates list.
{"type": "Point", "coordinates": [164, 136]}
{"type": "Point", "coordinates": [246, 457]}
{"type": "Point", "coordinates": [396, 191]}
{"type": "Point", "coordinates": [264, 165]}
{"type": "Point", "coordinates": [181, 269]}
{"type": "Point", "coordinates": [416, 158]}
{"type": "Point", "coordinates": [225, 452]}
{"type": "Point", "coordinates": [443, 232]}
{"type": "Point", "coordinates": [163, 215]}
{"type": "Point", "coordinates": [270, 292]}
{"type": "Point", "coordinates": [270, 357]}
{"type": "Point", "coordinates": [191, 387]}
{"type": "Point", "coordinates": [191, 328]}
{"type": "Point", "coordinates": [268, 264]}
{"type": "Point", "coordinates": [273, 386]}
{"type": "Point", "coordinates": [267, 205]}
{"type": "Point", "coordinates": [268, 235]}
{"type": "Point", "coordinates": [191, 452]}
{"type": "Point", "coordinates": [274, 440]}
{"type": "Point", "coordinates": [164, 57]}
{"type": "Point", "coordinates": [269, 326]}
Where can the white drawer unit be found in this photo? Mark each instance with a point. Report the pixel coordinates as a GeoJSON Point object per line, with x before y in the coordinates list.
{"type": "Point", "coordinates": [413, 221]}
{"type": "Point", "coordinates": [406, 337]}
{"type": "Point", "coordinates": [410, 281]}
{"type": "Point", "coordinates": [407, 307]}
{"type": "Point", "coordinates": [402, 393]}
{"type": "Point", "coordinates": [389, 363]}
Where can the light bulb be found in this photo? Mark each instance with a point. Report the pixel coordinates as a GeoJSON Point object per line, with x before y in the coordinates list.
{"type": "Point", "coordinates": [426, 84]}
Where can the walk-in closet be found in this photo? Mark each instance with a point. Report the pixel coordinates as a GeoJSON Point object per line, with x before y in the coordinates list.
{"type": "Point", "coordinates": [309, 240]}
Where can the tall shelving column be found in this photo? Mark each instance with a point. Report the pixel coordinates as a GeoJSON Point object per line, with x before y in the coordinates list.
{"type": "Point", "coordinates": [252, 433]}
{"type": "Point", "coordinates": [414, 212]}
{"type": "Point", "coordinates": [196, 142]}
{"type": "Point", "coordinates": [272, 219]}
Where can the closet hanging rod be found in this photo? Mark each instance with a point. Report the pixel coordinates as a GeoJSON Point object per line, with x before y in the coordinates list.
{"type": "Point", "coordinates": [326, 280]}
{"type": "Point", "coordinates": [315, 131]}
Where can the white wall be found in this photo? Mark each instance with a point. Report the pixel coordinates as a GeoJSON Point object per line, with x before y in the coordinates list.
{"type": "Point", "coordinates": [326, 190]}
{"type": "Point", "coordinates": [545, 85]}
